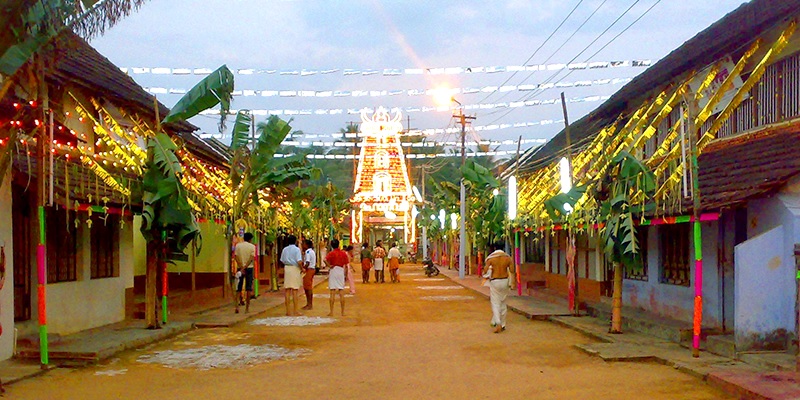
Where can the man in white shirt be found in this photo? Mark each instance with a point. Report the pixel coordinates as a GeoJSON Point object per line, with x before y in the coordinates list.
{"type": "Point", "coordinates": [292, 260]}
{"type": "Point", "coordinates": [310, 267]}
{"type": "Point", "coordinates": [245, 255]}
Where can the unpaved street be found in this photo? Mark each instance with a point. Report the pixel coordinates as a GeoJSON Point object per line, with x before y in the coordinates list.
{"type": "Point", "coordinates": [397, 341]}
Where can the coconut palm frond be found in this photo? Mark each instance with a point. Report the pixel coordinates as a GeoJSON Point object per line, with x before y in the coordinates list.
{"type": "Point", "coordinates": [92, 17]}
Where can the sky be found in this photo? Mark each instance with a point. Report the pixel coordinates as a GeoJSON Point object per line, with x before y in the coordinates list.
{"type": "Point", "coordinates": [337, 56]}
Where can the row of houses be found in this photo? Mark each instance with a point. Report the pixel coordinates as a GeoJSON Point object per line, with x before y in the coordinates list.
{"type": "Point", "coordinates": [95, 119]}
{"type": "Point", "coordinates": [738, 81]}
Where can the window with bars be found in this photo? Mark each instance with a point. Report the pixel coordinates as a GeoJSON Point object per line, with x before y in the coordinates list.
{"type": "Point", "coordinates": [674, 255]}
{"type": "Point", "coordinates": [105, 246]}
{"type": "Point", "coordinates": [534, 249]}
{"type": "Point", "coordinates": [775, 98]}
{"type": "Point", "coordinates": [62, 247]}
{"type": "Point", "coordinates": [640, 272]}
{"type": "Point", "coordinates": [558, 253]}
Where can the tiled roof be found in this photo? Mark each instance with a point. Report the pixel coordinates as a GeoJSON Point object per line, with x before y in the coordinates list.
{"type": "Point", "coordinates": [734, 170]}
{"type": "Point", "coordinates": [80, 64]}
{"type": "Point", "coordinates": [728, 36]}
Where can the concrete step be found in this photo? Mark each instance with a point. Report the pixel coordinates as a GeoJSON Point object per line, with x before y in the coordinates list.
{"type": "Point", "coordinates": [723, 345]}
{"type": "Point", "coordinates": [770, 360]}
{"type": "Point", "coordinates": [640, 321]}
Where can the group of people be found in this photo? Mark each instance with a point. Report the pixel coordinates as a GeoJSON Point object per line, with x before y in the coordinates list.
{"type": "Point", "coordinates": [301, 266]}
{"type": "Point", "coordinates": [374, 259]}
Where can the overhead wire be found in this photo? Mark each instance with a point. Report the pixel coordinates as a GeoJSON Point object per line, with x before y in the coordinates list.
{"type": "Point", "coordinates": [587, 139]}
{"type": "Point", "coordinates": [564, 43]}
{"type": "Point", "coordinates": [537, 49]}
{"type": "Point", "coordinates": [552, 77]}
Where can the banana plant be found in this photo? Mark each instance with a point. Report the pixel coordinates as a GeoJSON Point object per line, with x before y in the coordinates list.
{"type": "Point", "coordinates": [253, 170]}
{"type": "Point", "coordinates": [631, 188]}
{"type": "Point", "coordinates": [624, 195]}
{"type": "Point", "coordinates": [487, 210]}
{"type": "Point", "coordinates": [168, 223]}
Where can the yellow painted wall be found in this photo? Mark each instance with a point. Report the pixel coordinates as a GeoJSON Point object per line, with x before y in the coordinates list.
{"type": "Point", "coordinates": [211, 258]}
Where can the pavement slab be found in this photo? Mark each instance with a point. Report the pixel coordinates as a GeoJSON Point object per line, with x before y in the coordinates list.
{"type": "Point", "coordinates": [784, 385]}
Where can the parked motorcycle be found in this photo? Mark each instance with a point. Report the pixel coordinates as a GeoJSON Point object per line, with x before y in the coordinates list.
{"type": "Point", "coordinates": [430, 268]}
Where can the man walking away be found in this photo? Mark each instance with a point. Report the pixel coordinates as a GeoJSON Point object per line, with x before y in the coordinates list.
{"type": "Point", "coordinates": [394, 262]}
{"type": "Point", "coordinates": [338, 260]}
{"type": "Point", "coordinates": [292, 260]}
{"type": "Point", "coordinates": [366, 262]}
{"type": "Point", "coordinates": [245, 255]}
{"type": "Point", "coordinates": [310, 268]}
{"type": "Point", "coordinates": [378, 253]}
{"type": "Point", "coordinates": [499, 270]}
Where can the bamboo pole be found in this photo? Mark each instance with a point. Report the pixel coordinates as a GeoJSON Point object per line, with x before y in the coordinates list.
{"type": "Point", "coordinates": [164, 277]}
{"type": "Point", "coordinates": [41, 250]}
{"type": "Point", "coordinates": [194, 262]}
{"type": "Point", "coordinates": [694, 134]}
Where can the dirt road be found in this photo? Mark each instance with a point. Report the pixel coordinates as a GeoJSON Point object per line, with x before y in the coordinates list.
{"type": "Point", "coordinates": [424, 338]}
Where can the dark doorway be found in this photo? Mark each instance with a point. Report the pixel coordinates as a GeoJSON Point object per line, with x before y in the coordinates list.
{"type": "Point", "coordinates": [22, 221]}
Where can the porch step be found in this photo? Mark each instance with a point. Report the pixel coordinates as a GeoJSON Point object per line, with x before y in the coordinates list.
{"type": "Point", "coordinates": [723, 345]}
{"type": "Point", "coordinates": [770, 360]}
{"type": "Point", "coordinates": [644, 322]}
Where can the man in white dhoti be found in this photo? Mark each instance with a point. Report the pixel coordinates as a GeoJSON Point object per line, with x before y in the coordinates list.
{"type": "Point", "coordinates": [499, 271]}
{"type": "Point", "coordinates": [292, 259]}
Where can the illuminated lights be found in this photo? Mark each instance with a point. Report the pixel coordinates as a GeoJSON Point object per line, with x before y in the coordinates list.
{"type": "Point", "coordinates": [512, 197]}
{"type": "Point", "coordinates": [565, 175]}
{"type": "Point", "coordinates": [453, 221]}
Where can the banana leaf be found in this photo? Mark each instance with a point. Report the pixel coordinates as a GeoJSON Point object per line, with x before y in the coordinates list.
{"type": "Point", "coordinates": [270, 136]}
{"type": "Point", "coordinates": [480, 176]}
{"type": "Point", "coordinates": [630, 168]}
{"type": "Point", "coordinates": [214, 89]}
{"type": "Point", "coordinates": [240, 134]}
{"type": "Point", "coordinates": [555, 205]}
{"type": "Point", "coordinates": [165, 202]}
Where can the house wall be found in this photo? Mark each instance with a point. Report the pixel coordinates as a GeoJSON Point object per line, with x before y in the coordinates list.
{"type": "Point", "coordinates": [765, 319]}
{"type": "Point", "coordinates": [212, 257]}
{"type": "Point", "coordinates": [100, 301]}
{"type": "Point", "coordinates": [7, 292]}
{"type": "Point", "coordinates": [210, 264]}
{"type": "Point", "coordinates": [675, 301]}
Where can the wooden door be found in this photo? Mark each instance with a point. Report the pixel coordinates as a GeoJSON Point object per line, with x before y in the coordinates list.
{"type": "Point", "coordinates": [22, 221]}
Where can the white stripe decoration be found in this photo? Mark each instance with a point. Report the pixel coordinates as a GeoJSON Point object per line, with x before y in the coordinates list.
{"type": "Point", "coordinates": [468, 107]}
{"type": "Point", "coordinates": [409, 92]}
{"type": "Point", "coordinates": [440, 287]}
{"type": "Point", "coordinates": [635, 63]}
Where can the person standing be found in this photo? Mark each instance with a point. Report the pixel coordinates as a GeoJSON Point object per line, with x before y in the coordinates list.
{"type": "Point", "coordinates": [366, 262]}
{"type": "Point", "coordinates": [338, 261]}
{"type": "Point", "coordinates": [499, 269]}
{"type": "Point", "coordinates": [394, 262]}
{"type": "Point", "coordinates": [292, 260]}
{"type": "Point", "coordinates": [351, 280]}
{"type": "Point", "coordinates": [310, 268]}
{"type": "Point", "coordinates": [245, 255]}
{"type": "Point", "coordinates": [378, 253]}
